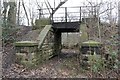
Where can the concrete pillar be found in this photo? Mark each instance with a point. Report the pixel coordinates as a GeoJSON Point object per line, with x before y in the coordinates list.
{"type": "Point", "coordinates": [57, 43]}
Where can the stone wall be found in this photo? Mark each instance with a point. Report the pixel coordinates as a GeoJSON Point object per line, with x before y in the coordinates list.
{"type": "Point", "coordinates": [70, 39]}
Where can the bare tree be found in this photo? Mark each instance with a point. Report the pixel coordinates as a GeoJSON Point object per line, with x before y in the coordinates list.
{"type": "Point", "coordinates": [92, 19]}
{"type": "Point", "coordinates": [0, 23]}
{"type": "Point", "coordinates": [0, 40]}
{"type": "Point", "coordinates": [25, 11]}
{"type": "Point", "coordinates": [56, 8]}
{"type": "Point", "coordinates": [0, 7]}
{"type": "Point", "coordinates": [98, 10]}
{"type": "Point", "coordinates": [12, 14]}
{"type": "Point", "coordinates": [18, 21]}
{"type": "Point", "coordinates": [40, 8]}
{"type": "Point", "coordinates": [119, 31]}
{"type": "Point", "coordinates": [5, 6]}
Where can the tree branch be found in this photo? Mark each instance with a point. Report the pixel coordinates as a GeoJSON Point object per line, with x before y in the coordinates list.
{"type": "Point", "coordinates": [61, 3]}
{"type": "Point", "coordinates": [25, 11]}
{"type": "Point", "coordinates": [47, 7]}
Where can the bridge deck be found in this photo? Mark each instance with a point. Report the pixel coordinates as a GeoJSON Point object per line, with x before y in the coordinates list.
{"type": "Point", "coordinates": [66, 26]}
{"type": "Point", "coordinates": [67, 20]}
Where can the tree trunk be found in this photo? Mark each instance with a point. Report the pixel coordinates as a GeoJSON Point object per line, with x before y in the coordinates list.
{"type": "Point", "coordinates": [5, 5]}
{"type": "Point", "coordinates": [119, 32]}
{"type": "Point", "coordinates": [55, 9]}
{"type": "Point", "coordinates": [25, 12]}
{"type": "Point", "coordinates": [0, 7]}
{"type": "Point", "coordinates": [18, 21]}
{"type": "Point", "coordinates": [0, 40]}
{"type": "Point", "coordinates": [12, 15]}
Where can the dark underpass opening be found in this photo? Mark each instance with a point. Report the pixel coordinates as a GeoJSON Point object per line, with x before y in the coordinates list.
{"type": "Point", "coordinates": [69, 53]}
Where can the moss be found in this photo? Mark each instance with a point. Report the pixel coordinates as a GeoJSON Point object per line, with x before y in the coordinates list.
{"type": "Point", "coordinates": [40, 23]}
{"type": "Point", "coordinates": [19, 57]}
{"type": "Point", "coordinates": [91, 43]}
{"type": "Point", "coordinates": [28, 64]}
{"type": "Point", "coordinates": [26, 44]}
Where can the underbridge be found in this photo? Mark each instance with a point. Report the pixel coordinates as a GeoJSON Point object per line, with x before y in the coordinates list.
{"type": "Point", "coordinates": [66, 19]}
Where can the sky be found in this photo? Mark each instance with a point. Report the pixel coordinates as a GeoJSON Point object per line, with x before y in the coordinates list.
{"type": "Point", "coordinates": [32, 7]}
{"type": "Point", "coordinates": [75, 2]}
{"type": "Point", "coordinates": [31, 4]}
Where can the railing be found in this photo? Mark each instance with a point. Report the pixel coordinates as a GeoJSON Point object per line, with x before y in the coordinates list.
{"type": "Point", "coordinates": [70, 14]}
{"type": "Point", "coordinates": [67, 14]}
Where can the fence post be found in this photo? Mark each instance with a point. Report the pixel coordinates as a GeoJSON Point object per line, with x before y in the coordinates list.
{"type": "Point", "coordinates": [80, 14]}
{"type": "Point", "coordinates": [65, 14]}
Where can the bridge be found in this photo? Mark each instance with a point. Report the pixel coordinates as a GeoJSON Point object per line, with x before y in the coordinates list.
{"type": "Point", "coordinates": [66, 19]}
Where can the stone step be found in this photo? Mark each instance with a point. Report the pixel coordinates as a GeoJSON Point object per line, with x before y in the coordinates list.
{"type": "Point", "coordinates": [46, 56]}
{"type": "Point", "coordinates": [49, 50]}
{"type": "Point", "coordinates": [44, 46]}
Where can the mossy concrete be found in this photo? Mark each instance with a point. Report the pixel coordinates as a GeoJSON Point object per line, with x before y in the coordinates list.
{"type": "Point", "coordinates": [41, 49]}
{"type": "Point", "coordinates": [24, 60]}
{"type": "Point", "coordinates": [26, 43]}
{"type": "Point", "coordinates": [91, 43]}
